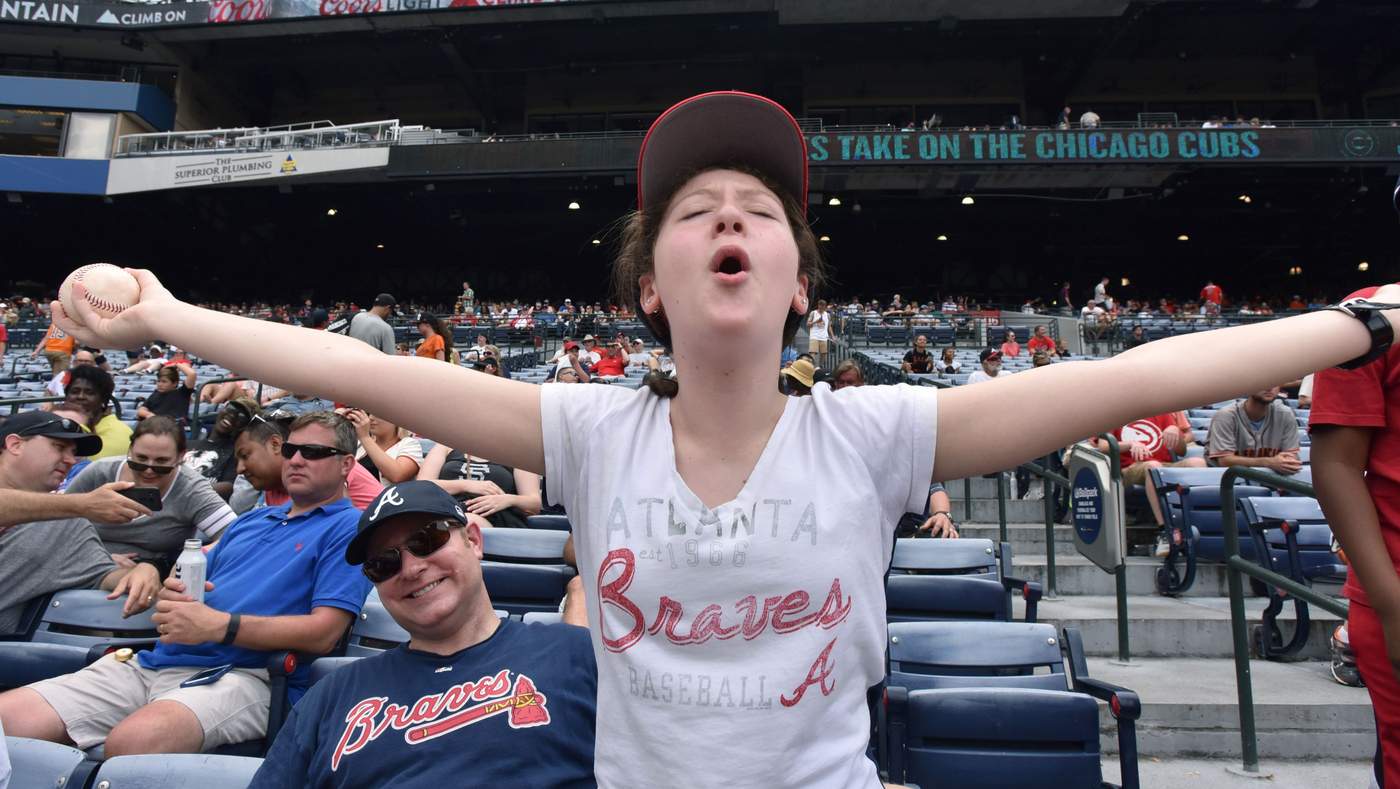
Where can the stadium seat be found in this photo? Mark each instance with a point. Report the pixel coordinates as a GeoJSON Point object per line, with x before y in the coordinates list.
{"type": "Point", "coordinates": [522, 588]}
{"type": "Point", "coordinates": [543, 618]}
{"type": "Point", "coordinates": [73, 628]}
{"type": "Point", "coordinates": [1299, 543]}
{"type": "Point", "coordinates": [177, 771]}
{"type": "Point", "coordinates": [1190, 500]}
{"type": "Point", "coordinates": [555, 522]}
{"type": "Point", "coordinates": [989, 704]}
{"type": "Point", "coordinates": [524, 546]}
{"type": "Point", "coordinates": [39, 763]}
{"type": "Point", "coordinates": [374, 631]}
{"type": "Point", "coordinates": [935, 580]}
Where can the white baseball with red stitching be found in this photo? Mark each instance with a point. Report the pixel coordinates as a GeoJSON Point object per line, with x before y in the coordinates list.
{"type": "Point", "coordinates": [109, 290]}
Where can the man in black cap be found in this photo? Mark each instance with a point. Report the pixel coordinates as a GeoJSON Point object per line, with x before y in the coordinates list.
{"type": "Point", "coordinates": [369, 327]}
{"type": "Point", "coordinates": [508, 699]}
{"type": "Point", "coordinates": [991, 366]}
{"type": "Point", "coordinates": [38, 557]}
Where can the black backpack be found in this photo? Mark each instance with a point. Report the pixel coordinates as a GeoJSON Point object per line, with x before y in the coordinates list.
{"type": "Point", "coordinates": [341, 325]}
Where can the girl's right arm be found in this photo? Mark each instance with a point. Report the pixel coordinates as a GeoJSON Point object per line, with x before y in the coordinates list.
{"type": "Point", "coordinates": [499, 416]}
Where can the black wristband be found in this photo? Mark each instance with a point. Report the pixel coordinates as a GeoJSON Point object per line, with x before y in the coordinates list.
{"type": "Point", "coordinates": [234, 620]}
{"type": "Point", "coordinates": [1382, 334]}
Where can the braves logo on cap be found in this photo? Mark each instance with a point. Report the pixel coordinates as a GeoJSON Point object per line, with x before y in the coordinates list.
{"type": "Point", "coordinates": [390, 497]}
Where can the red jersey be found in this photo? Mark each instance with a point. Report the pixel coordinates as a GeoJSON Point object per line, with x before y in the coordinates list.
{"type": "Point", "coordinates": [1368, 397]}
{"type": "Point", "coordinates": [1149, 432]}
{"type": "Point", "coordinates": [1041, 344]}
{"type": "Point", "coordinates": [1212, 294]}
{"type": "Point", "coordinates": [609, 365]}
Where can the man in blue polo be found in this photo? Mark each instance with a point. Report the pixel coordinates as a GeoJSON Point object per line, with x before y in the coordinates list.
{"type": "Point", "coordinates": [277, 581]}
{"type": "Point", "coordinates": [505, 703]}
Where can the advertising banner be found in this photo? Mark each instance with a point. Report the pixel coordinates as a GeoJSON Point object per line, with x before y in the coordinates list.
{"type": "Point", "coordinates": [176, 171]}
{"type": "Point", "coordinates": [222, 11]}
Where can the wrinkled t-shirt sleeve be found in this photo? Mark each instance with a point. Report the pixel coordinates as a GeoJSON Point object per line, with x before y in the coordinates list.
{"type": "Point", "coordinates": [895, 430]}
{"type": "Point", "coordinates": [569, 413]}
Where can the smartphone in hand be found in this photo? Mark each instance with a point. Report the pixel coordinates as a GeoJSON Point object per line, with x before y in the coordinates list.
{"type": "Point", "coordinates": [146, 495]}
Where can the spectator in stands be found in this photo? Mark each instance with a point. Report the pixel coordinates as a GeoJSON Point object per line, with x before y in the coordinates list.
{"type": "Point", "coordinates": [798, 378]}
{"type": "Point", "coordinates": [589, 352]}
{"type": "Point", "coordinates": [819, 328]}
{"type": "Point", "coordinates": [918, 359]}
{"type": "Point", "coordinates": [948, 363]}
{"type": "Point", "coordinates": [1101, 293]}
{"type": "Point", "coordinates": [1136, 338]}
{"type": "Point", "coordinates": [81, 357]}
{"type": "Point", "coordinates": [91, 390]}
{"type": "Point", "coordinates": [174, 387]}
{"type": "Point", "coordinates": [490, 366]}
{"type": "Point", "coordinates": [466, 303]}
{"type": "Point", "coordinates": [212, 456]}
{"type": "Point", "coordinates": [369, 326]}
{"type": "Point", "coordinates": [1305, 391]}
{"type": "Point", "coordinates": [1062, 349]}
{"type": "Point", "coordinates": [542, 677]}
{"type": "Point", "coordinates": [612, 362]}
{"type": "Point", "coordinates": [189, 505]}
{"type": "Point", "coordinates": [57, 347]}
{"type": "Point", "coordinates": [1212, 297]}
{"type": "Point", "coordinates": [386, 450]}
{"type": "Point", "coordinates": [1258, 431]}
{"type": "Point", "coordinates": [474, 353]}
{"type": "Point", "coordinates": [991, 366]}
{"type": "Point", "coordinates": [282, 563]}
{"type": "Point", "coordinates": [150, 360]}
{"type": "Point", "coordinates": [294, 404]}
{"type": "Point", "coordinates": [1040, 341]}
{"type": "Point", "coordinates": [4, 338]}
{"type": "Point", "coordinates": [436, 338]}
{"type": "Point", "coordinates": [317, 319]}
{"type": "Point", "coordinates": [935, 521]}
{"type": "Point", "coordinates": [84, 420]}
{"type": "Point", "coordinates": [1040, 359]}
{"type": "Point", "coordinates": [864, 456]}
{"type": "Point", "coordinates": [847, 373]}
{"type": "Point", "coordinates": [1010, 349]}
{"type": "Point", "coordinates": [46, 541]}
{"type": "Point", "coordinates": [218, 394]}
{"type": "Point", "coordinates": [1062, 120]}
{"type": "Point", "coordinates": [1089, 120]}
{"type": "Point", "coordinates": [261, 450]}
{"type": "Point", "coordinates": [504, 496]}
{"type": "Point", "coordinates": [572, 359]}
{"type": "Point", "coordinates": [1153, 442]}
{"type": "Point", "coordinates": [638, 357]}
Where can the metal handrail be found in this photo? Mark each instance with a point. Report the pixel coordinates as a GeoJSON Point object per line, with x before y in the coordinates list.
{"type": "Point", "coordinates": [15, 402]}
{"type": "Point", "coordinates": [1047, 477]}
{"type": "Point", "coordinates": [1235, 565]}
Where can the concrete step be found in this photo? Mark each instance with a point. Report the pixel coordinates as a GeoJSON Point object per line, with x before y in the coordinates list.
{"type": "Point", "coordinates": [1076, 575]}
{"type": "Point", "coordinates": [1224, 774]}
{"type": "Point", "coordinates": [1171, 627]}
{"type": "Point", "coordinates": [1190, 709]}
{"type": "Point", "coordinates": [1025, 538]}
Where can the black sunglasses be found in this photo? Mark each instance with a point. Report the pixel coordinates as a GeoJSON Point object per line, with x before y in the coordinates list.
{"type": "Point", "coordinates": [139, 467]}
{"type": "Point", "coordinates": [422, 543]}
{"type": "Point", "coordinates": [310, 451]}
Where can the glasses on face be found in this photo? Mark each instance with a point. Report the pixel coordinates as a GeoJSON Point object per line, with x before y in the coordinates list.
{"type": "Point", "coordinates": [140, 468]}
{"type": "Point", "coordinates": [310, 451]}
{"type": "Point", "coordinates": [422, 543]}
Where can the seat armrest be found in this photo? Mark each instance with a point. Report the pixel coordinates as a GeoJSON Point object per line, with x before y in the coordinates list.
{"type": "Point", "coordinates": [1031, 592]}
{"type": "Point", "coordinates": [896, 715]}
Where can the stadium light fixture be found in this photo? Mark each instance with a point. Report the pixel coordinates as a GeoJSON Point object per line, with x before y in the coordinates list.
{"type": "Point", "coordinates": [1125, 281]}
{"type": "Point", "coordinates": [824, 238]}
{"type": "Point", "coordinates": [942, 237]}
{"type": "Point", "coordinates": [596, 242]}
{"type": "Point", "coordinates": [1183, 237]}
{"type": "Point", "coordinates": [834, 201]}
{"type": "Point", "coordinates": [331, 212]}
{"type": "Point", "coordinates": [1246, 199]}
{"type": "Point", "coordinates": [378, 246]}
{"type": "Point", "coordinates": [1295, 271]}
{"type": "Point", "coordinates": [968, 200]}
{"type": "Point", "coordinates": [1364, 265]}
{"type": "Point", "coordinates": [574, 206]}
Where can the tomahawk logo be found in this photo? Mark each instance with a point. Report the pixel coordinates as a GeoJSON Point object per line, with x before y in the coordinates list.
{"type": "Point", "coordinates": [439, 714]}
{"type": "Point", "coordinates": [390, 498]}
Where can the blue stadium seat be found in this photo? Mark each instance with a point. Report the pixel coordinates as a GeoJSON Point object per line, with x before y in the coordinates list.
{"type": "Point", "coordinates": [522, 588]}
{"type": "Point", "coordinates": [73, 628]}
{"type": "Point", "coordinates": [524, 546]}
{"type": "Point", "coordinates": [989, 704]}
{"type": "Point", "coordinates": [177, 771]}
{"type": "Point", "coordinates": [1299, 543]}
{"type": "Point", "coordinates": [543, 618]}
{"type": "Point", "coordinates": [374, 631]}
{"type": "Point", "coordinates": [1190, 499]}
{"type": "Point", "coordinates": [936, 580]}
{"type": "Point", "coordinates": [555, 522]}
{"type": "Point", "coordinates": [38, 763]}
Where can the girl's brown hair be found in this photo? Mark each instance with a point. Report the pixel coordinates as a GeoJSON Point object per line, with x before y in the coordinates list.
{"type": "Point", "coordinates": [636, 257]}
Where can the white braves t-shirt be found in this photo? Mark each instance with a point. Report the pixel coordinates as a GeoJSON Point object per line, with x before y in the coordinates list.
{"type": "Point", "coordinates": [820, 330]}
{"type": "Point", "coordinates": [735, 645]}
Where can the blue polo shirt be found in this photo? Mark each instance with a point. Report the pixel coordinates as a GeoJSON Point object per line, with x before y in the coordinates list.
{"type": "Point", "coordinates": [267, 564]}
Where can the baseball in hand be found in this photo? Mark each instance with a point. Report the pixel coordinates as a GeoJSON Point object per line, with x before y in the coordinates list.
{"type": "Point", "coordinates": [109, 290]}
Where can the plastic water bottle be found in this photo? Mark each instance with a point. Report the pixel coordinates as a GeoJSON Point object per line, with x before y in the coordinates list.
{"type": "Point", "coordinates": [190, 569]}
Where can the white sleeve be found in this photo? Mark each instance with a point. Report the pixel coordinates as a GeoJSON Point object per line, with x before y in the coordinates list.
{"type": "Point", "coordinates": [1305, 390]}
{"type": "Point", "coordinates": [569, 414]}
{"type": "Point", "coordinates": [895, 430]}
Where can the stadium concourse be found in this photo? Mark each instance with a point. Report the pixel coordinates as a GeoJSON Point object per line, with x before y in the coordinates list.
{"type": "Point", "coordinates": [1180, 667]}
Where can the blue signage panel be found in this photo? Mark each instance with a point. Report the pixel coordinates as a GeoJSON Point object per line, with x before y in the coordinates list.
{"type": "Point", "coordinates": [1087, 496]}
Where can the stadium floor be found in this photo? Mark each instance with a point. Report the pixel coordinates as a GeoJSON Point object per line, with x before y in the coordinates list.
{"type": "Point", "coordinates": [1198, 774]}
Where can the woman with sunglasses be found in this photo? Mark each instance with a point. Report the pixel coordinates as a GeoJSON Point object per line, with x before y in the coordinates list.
{"type": "Point", "coordinates": [189, 505]}
{"type": "Point", "coordinates": [725, 509]}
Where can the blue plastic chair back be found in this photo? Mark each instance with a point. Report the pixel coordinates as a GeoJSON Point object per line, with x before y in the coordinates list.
{"type": "Point", "coordinates": [84, 617]}
{"type": "Point", "coordinates": [922, 598]}
{"type": "Point", "coordinates": [178, 771]}
{"type": "Point", "coordinates": [325, 666]}
{"type": "Point", "coordinates": [38, 763]}
{"type": "Point", "coordinates": [522, 588]}
{"type": "Point", "coordinates": [524, 546]}
{"type": "Point", "coordinates": [554, 522]}
{"type": "Point", "coordinates": [374, 631]}
{"type": "Point", "coordinates": [975, 654]}
{"type": "Point", "coordinates": [966, 556]}
{"type": "Point", "coordinates": [543, 618]}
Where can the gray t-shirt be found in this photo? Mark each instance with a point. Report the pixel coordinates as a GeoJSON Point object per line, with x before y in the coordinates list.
{"type": "Point", "coordinates": [48, 556]}
{"type": "Point", "coordinates": [191, 504]}
{"type": "Point", "coordinates": [370, 328]}
{"type": "Point", "coordinates": [1232, 433]}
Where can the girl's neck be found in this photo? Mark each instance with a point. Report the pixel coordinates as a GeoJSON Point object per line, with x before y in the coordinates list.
{"type": "Point", "coordinates": [735, 390]}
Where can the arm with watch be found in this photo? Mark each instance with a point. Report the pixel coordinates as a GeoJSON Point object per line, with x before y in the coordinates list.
{"type": "Point", "coordinates": [940, 520]}
{"type": "Point", "coordinates": [181, 620]}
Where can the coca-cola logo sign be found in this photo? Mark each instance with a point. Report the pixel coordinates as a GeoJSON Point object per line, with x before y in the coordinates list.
{"type": "Point", "coordinates": [221, 11]}
{"type": "Point", "coordinates": [344, 7]}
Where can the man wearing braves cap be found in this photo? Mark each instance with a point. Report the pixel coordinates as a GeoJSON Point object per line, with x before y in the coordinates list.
{"type": "Point", "coordinates": [507, 703]}
{"type": "Point", "coordinates": [49, 545]}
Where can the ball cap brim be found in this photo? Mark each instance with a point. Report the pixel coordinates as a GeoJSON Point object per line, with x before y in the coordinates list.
{"type": "Point", "coordinates": [414, 496]}
{"type": "Point", "coordinates": [724, 127]}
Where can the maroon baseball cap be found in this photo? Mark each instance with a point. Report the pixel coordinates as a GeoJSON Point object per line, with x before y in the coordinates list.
{"type": "Point", "coordinates": [723, 127]}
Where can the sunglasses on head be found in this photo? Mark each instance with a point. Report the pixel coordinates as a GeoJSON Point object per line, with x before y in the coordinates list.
{"type": "Point", "coordinates": [310, 451]}
{"type": "Point", "coordinates": [421, 543]}
{"type": "Point", "coordinates": [139, 467]}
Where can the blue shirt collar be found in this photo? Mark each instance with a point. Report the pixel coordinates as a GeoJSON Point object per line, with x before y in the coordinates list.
{"type": "Point", "coordinates": [280, 511]}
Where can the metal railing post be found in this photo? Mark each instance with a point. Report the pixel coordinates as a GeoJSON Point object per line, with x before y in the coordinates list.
{"type": "Point", "coordinates": [1001, 503]}
{"type": "Point", "coordinates": [1049, 502]}
{"type": "Point", "coordinates": [1244, 685]}
{"type": "Point", "coordinates": [967, 500]}
{"type": "Point", "coordinates": [1120, 581]}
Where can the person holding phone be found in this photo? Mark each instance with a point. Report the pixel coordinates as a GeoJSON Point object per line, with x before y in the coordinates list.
{"type": "Point", "coordinates": [183, 504]}
{"type": "Point", "coordinates": [725, 492]}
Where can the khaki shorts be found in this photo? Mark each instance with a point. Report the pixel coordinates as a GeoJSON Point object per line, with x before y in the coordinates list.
{"type": "Point", "coordinates": [58, 360]}
{"type": "Point", "coordinates": [1136, 474]}
{"type": "Point", "coordinates": [816, 346]}
{"type": "Point", "coordinates": [93, 701]}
